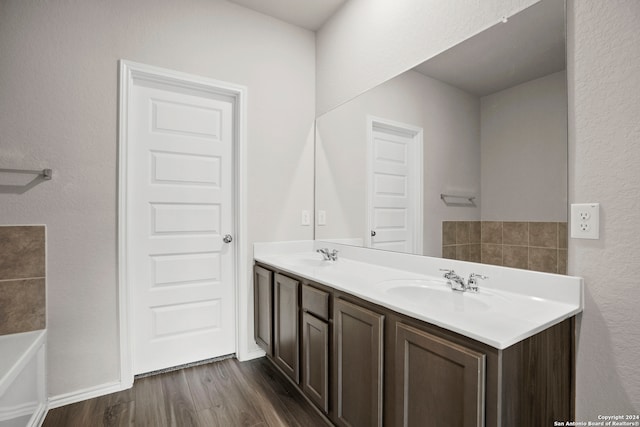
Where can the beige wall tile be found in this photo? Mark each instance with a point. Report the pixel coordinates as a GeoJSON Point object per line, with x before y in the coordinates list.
{"type": "Point", "coordinates": [515, 256]}
{"type": "Point", "coordinates": [462, 252]}
{"type": "Point", "coordinates": [563, 235]}
{"type": "Point", "coordinates": [491, 232]}
{"type": "Point", "coordinates": [449, 252]}
{"type": "Point", "coordinates": [22, 305]}
{"type": "Point", "coordinates": [543, 259]}
{"type": "Point", "coordinates": [491, 254]}
{"type": "Point", "coordinates": [22, 250]}
{"type": "Point", "coordinates": [508, 243]}
{"type": "Point", "coordinates": [515, 233]}
{"type": "Point", "coordinates": [462, 232]}
{"type": "Point", "coordinates": [448, 233]}
{"type": "Point", "coordinates": [543, 234]}
{"type": "Point", "coordinates": [562, 261]}
{"type": "Point", "coordinates": [475, 232]}
{"type": "Point", "coordinates": [475, 253]}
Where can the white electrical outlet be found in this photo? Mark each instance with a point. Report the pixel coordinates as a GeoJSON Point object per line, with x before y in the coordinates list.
{"type": "Point", "coordinates": [585, 220]}
{"type": "Point", "coordinates": [305, 218]}
{"type": "Point", "coordinates": [322, 217]}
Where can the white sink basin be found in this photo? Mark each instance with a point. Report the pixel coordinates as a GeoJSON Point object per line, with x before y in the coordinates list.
{"type": "Point", "coordinates": [437, 295]}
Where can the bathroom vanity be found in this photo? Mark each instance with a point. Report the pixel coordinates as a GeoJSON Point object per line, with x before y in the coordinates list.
{"type": "Point", "coordinates": [378, 338]}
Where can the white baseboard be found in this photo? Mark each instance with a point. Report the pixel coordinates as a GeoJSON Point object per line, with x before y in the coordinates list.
{"type": "Point", "coordinates": [38, 417]}
{"type": "Point", "coordinates": [85, 394]}
{"type": "Point", "coordinates": [115, 386]}
{"type": "Point", "coordinates": [251, 354]}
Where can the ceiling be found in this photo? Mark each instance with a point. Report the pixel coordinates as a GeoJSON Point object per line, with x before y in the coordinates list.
{"type": "Point", "coordinates": [309, 14]}
{"type": "Point", "coordinates": [531, 44]}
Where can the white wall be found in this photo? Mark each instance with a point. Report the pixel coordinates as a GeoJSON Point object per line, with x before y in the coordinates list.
{"type": "Point", "coordinates": [524, 151]}
{"type": "Point", "coordinates": [604, 154]}
{"type": "Point", "coordinates": [58, 109]}
{"type": "Point", "coordinates": [450, 119]}
{"type": "Point", "coordinates": [370, 41]}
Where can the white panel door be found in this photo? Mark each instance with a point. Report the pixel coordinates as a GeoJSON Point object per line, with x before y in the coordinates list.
{"type": "Point", "coordinates": [394, 189]}
{"type": "Point", "coordinates": [181, 206]}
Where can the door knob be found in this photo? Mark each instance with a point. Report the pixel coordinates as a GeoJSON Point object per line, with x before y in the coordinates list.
{"type": "Point", "coordinates": [227, 238]}
{"type": "Point", "coordinates": [373, 233]}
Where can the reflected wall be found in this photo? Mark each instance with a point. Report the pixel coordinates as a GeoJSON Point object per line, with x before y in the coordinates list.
{"type": "Point", "coordinates": [494, 126]}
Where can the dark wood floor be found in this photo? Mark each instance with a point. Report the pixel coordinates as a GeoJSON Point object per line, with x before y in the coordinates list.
{"type": "Point", "coordinates": [225, 393]}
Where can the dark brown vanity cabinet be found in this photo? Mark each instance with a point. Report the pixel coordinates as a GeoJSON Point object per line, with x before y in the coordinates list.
{"type": "Point", "coordinates": [263, 304]}
{"type": "Point", "coordinates": [441, 378]}
{"type": "Point", "coordinates": [286, 330]}
{"type": "Point", "coordinates": [315, 346]}
{"type": "Point", "coordinates": [437, 382]}
{"type": "Point", "coordinates": [358, 365]}
{"type": "Point", "coordinates": [362, 364]}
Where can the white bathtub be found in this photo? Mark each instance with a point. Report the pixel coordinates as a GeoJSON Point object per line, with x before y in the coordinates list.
{"type": "Point", "coordinates": [22, 379]}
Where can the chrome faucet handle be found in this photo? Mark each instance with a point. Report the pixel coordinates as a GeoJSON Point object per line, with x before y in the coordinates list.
{"type": "Point", "coordinates": [472, 283]}
{"type": "Point", "coordinates": [456, 282]}
{"type": "Point", "coordinates": [449, 273]}
{"type": "Point", "coordinates": [328, 256]}
{"type": "Point", "coordinates": [325, 253]}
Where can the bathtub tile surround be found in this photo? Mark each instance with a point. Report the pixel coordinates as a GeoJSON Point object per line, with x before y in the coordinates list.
{"type": "Point", "coordinates": [537, 246]}
{"type": "Point", "coordinates": [22, 305]}
{"type": "Point", "coordinates": [515, 233]}
{"type": "Point", "coordinates": [22, 249]}
{"type": "Point", "coordinates": [22, 279]}
{"type": "Point", "coordinates": [448, 233]}
{"type": "Point", "coordinates": [515, 256]}
{"type": "Point", "coordinates": [543, 234]}
{"type": "Point", "coordinates": [491, 232]}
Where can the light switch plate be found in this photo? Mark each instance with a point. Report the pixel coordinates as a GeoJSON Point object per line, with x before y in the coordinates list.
{"type": "Point", "coordinates": [305, 218]}
{"type": "Point", "coordinates": [585, 220]}
{"type": "Point", "coordinates": [322, 217]}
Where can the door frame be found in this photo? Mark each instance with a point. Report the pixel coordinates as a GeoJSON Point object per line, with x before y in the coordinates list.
{"type": "Point", "coordinates": [128, 72]}
{"type": "Point", "coordinates": [417, 135]}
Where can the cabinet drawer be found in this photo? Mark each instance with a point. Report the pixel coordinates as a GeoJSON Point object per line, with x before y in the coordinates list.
{"type": "Point", "coordinates": [315, 301]}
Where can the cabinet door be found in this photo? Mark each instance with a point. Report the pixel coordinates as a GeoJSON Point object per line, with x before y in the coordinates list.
{"type": "Point", "coordinates": [286, 351]}
{"type": "Point", "coordinates": [263, 301]}
{"type": "Point", "coordinates": [438, 383]}
{"type": "Point", "coordinates": [358, 361]}
{"type": "Point", "coordinates": [315, 360]}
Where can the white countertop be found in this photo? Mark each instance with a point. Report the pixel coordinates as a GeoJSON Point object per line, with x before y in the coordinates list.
{"type": "Point", "coordinates": [512, 304]}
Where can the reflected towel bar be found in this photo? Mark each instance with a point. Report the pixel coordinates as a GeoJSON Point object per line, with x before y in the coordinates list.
{"type": "Point", "coordinates": [46, 174]}
{"type": "Point", "coordinates": [462, 200]}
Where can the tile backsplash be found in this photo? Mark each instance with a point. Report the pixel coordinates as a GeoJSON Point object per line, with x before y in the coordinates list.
{"type": "Point", "coordinates": [22, 279]}
{"type": "Point", "coordinates": [538, 246]}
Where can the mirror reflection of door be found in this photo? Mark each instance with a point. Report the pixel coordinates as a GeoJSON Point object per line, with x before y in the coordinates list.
{"type": "Point", "coordinates": [394, 176]}
{"type": "Point", "coordinates": [494, 109]}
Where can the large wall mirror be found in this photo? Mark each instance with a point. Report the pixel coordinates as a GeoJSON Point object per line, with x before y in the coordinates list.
{"type": "Point", "coordinates": [462, 157]}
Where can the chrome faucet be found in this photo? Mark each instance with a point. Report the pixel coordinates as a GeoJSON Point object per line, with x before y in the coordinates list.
{"type": "Point", "coordinates": [457, 283]}
{"type": "Point", "coordinates": [472, 283]}
{"type": "Point", "coordinates": [328, 256]}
